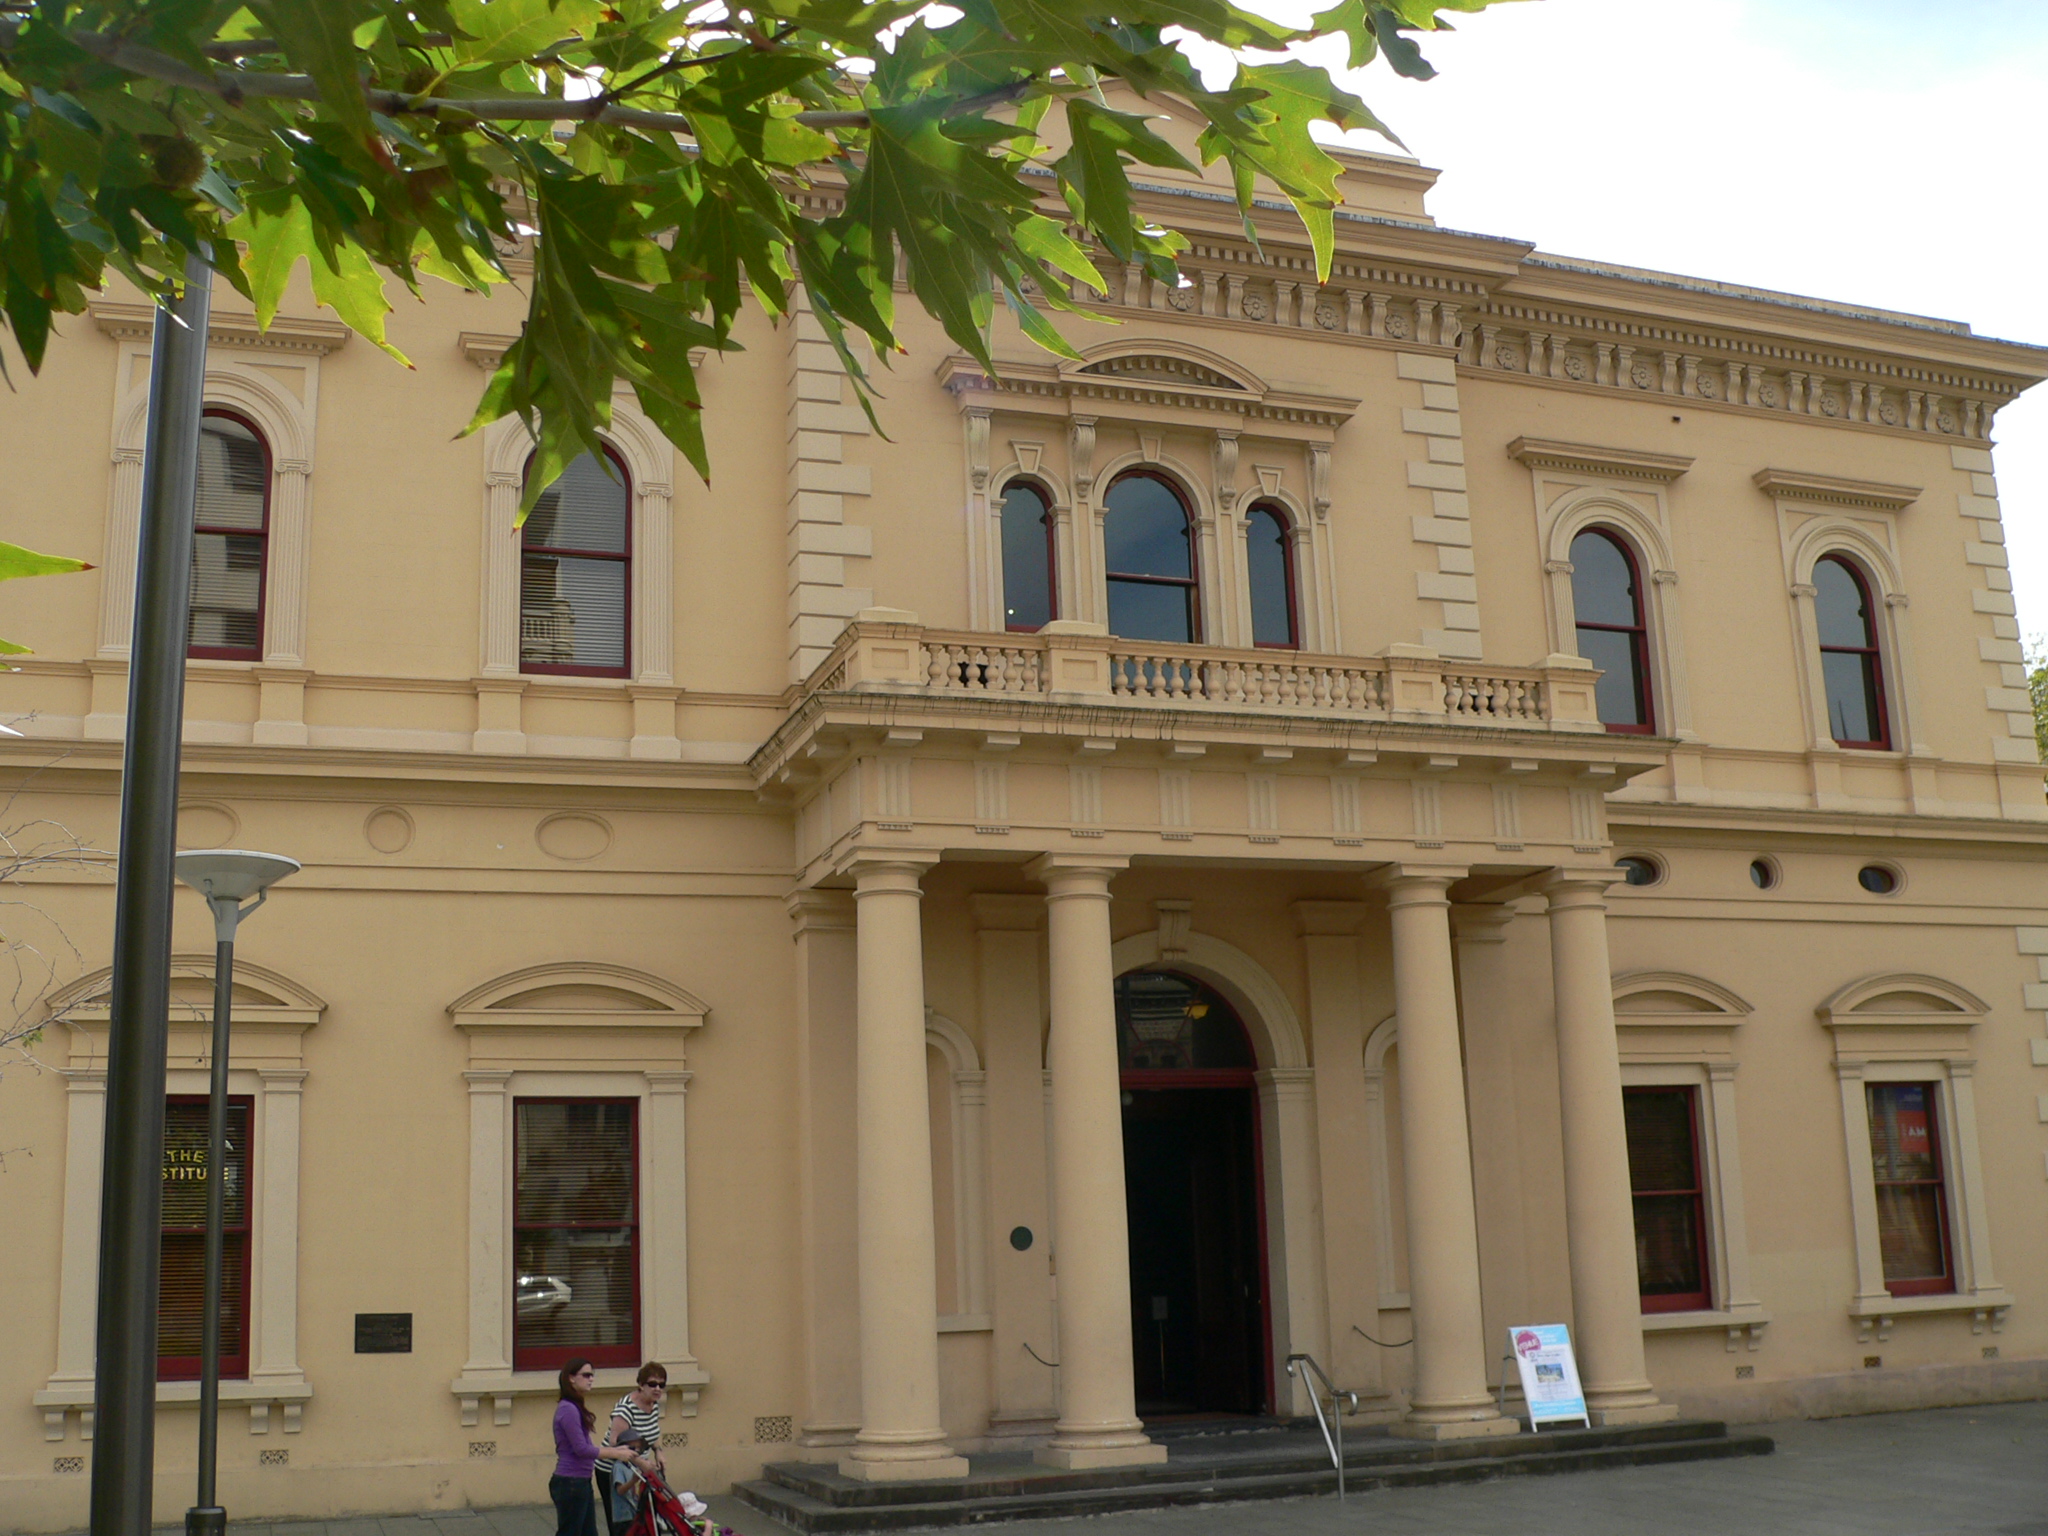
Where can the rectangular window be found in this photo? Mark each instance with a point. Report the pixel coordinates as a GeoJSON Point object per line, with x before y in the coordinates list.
{"type": "Point", "coordinates": [1670, 1198]}
{"type": "Point", "coordinates": [181, 1274]}
{"type": "Point", "coordinates": [1912, 1204]}
{"type": "Point", "coordinates": [575, 1232]}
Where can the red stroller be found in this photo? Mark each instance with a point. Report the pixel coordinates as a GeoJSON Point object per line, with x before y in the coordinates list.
{"type": "Point", "coordinates": [659, 1512]}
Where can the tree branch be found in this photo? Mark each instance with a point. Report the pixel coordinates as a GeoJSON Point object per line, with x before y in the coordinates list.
{"type": "Point", "coordinates": [233, 85]}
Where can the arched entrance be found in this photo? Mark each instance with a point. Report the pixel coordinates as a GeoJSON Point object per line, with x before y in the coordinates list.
{"type": "Point", "coordinates": [1199, 1331]}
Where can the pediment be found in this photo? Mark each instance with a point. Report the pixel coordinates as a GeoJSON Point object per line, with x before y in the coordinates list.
{"type": "Point", "coordinates": [1163, 369]}
{"type": "Point", "coordinates": [260, 995]}
{"type": "Point", "coordinates": [1675, 998]}
{"type": "Point", "coordinates": [1903, 1000]}
{"type": "Point", "coordinates": [571, 995]}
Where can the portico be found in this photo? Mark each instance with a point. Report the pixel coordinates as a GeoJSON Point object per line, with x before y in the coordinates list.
{"type": "Point", "coordinates": [914, 791]}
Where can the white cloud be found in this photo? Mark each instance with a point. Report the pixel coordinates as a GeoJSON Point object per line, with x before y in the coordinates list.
{"type": "Point", "coordinates": [1884, 152]}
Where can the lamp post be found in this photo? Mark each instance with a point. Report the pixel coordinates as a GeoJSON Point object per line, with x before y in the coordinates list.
{"type": "Point", "coordinates": [226, 877]}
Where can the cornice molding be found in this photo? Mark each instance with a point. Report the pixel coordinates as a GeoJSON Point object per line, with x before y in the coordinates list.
{"type": "Point", "coordinates": [1589, 459]}
{"type": "Point", "coordinates": [1834, 491]}
{"type": "Point", "coordinates": [287, 333]}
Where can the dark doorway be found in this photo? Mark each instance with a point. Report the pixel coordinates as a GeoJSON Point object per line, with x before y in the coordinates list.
{"type": "Point", "coordinates": [1191, 1154]}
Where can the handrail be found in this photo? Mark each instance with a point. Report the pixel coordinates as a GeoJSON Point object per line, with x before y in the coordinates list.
{"type": "Point", "coordinates": [1300, 1366]}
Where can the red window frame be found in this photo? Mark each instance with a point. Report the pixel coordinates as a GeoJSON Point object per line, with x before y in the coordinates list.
{"type": "Point", "coordinates": [261, 534]}
{"type": "Point", "coordinates": [234, 1351]}
{"type": "Point", "coordinates": [1052, 563]}
{"type": "Point", "coordinates": [554, 1356]}
{"type": "Point", "coordinates": [1682, 1301]}
{"type": "Point", "coordinates": [1192, 582]}
{"type": "Point", "coordinates": [1931, 1285]}
{"type": "Point", "coordinates": [1287, 576]}
{"type": "Point", "coordinates": [623, 557]}
{"type": "Point", "coordinates": [1638, 635]}
{"type": "Point", "coordinates": [1870, 655]}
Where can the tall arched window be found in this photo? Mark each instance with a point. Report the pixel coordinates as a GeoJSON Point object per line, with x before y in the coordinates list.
{"type": "Point", "coordinates": [1030, 590]}
{"type": "Point", "coordinates": [1849, 663]}
{"type": "Point", "coordinates": [231, 540]}
{"type": "Point", "coordinates": [1149, 559]}
{"type": "Point", "coordinates": [1269, 566]}
{"type": "Point", "coordinates": [1607, 605]}
{"type": "Point", "coordinates": [575, 572]}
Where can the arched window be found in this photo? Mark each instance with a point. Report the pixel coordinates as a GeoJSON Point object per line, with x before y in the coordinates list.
{"type": "Point", "coordinates": [1607, 604]}
{"type": "Point", "coordinates": [575, 572]}
{"type": "Point", "coordinates": [1269, 565]}
{"type": "Point", "coordinates": [1149, 559]}
{"type": "Point", "coordinates": [1849, 664]}
{"type": "Point", "coordinates": [1030, 590]}
{"type": "Point", "coordinates": [230, 541]}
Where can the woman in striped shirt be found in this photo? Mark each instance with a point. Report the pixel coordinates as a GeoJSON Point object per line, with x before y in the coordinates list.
{"type": "Point", "coordinates": [636, 1418]}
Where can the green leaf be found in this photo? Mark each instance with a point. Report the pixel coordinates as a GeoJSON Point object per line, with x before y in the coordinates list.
{"type": "Point", "coordinates": [271, 247]}
{"type": "Point", "coordinates": [1042, 239]}
{"type": "Point", "coordinates": [16, 561]}
{"type": "Point", "coordinates": [318, 36]}
{"type": "Point", "coordinates": [354, 290]}
{"type": "Point", "coordinates": [1401, 51]}
{"type": "Point", "coordinates": [500, 31]}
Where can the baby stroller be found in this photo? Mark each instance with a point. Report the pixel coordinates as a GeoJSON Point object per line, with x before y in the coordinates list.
{"type": "Point", "coordinates": [660, 1511]}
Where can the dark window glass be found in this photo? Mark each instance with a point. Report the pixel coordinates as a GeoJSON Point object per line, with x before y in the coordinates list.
{"type": "Point", "coordinates": [1148, 547]}
{"type": "Point", "coordinates": [1849, 661]}
{"type": "Point", "coordinates": [1912, 1204]}
{"type": "Point", "coordinates": [1638, 871]}
{"type": "Point", "coordinates": [575, 1232]}
{"type": "Point", "coordinates": [1761, 874]}
{"type": "Point", "coordinates": [575, 572]}
{"type": "Point", "coordinates": [231, 526]}
{"type": "Point", "coordinates": [1670, 1206]}
{"type": "Point", "coordinates": [1269, 558]}
{"type": "Point", "coordinates": [1877, 880]}
{"type": "Point", "coordinates": [1608, 608]}
{"type": "Point", "coordinates": [181, 1272]}
{"type": "Point", "coordinates": [1168, 1022]}
{"type": "Point", "coordinates": [1030, 591]}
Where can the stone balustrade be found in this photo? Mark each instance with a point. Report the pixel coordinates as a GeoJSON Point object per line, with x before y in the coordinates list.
{"type": "Point", "coordinates": [1070, 663]}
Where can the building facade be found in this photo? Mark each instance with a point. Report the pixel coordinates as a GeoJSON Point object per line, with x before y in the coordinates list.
{"type": "Point", "coordinates": [1488, 790]}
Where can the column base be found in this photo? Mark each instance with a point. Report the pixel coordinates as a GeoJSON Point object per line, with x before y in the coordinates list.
{"type": "Point", "coordinates": [923, 1470]}
{"type": "Point", "coordinates": [1454, 1429]}
{"type": "Point", "coordinates": [1648, 1413]}
{"type": "Point", "coordinates": [1084, 1458]}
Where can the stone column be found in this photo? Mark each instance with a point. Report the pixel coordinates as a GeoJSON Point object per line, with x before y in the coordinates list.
{"type": "Point", "coordinates": [1098, 1423]}
{"type": "Point", "coordinates": [1599, 1213]}
{"type": "Point", "coordinates": [900, 1434]}
{"type": "Point", "coordinates": [1450, 1399]}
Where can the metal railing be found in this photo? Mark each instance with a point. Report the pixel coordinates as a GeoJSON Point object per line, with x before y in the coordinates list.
{"type": "Point", "coordinates": [1332, 1425]}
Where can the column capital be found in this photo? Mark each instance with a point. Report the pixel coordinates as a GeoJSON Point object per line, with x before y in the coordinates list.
{"type": "Point", "coordinates": [879, 869]}
{"type": "Point", "coordinates": [1481, 922]}
{"type": "Point", "coordinates": [1579, 885]}
{"type": "Point", "coordinates": [1076, 874]}
{"type": "Point", "coordinates": [814, 909]}
{"type": "Point", "coordinates": [1413, 884]}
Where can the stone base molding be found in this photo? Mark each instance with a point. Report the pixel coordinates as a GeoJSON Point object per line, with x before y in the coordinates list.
{"type": "Point", "coordinates": [1454, 1429]}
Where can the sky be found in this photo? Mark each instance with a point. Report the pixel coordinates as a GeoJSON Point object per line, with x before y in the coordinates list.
{"type": "Point", "coordinates": [1882, 152]}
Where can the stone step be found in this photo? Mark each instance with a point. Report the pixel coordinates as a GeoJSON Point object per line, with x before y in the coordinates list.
{"type": "Point", "coordinates": [809, 1498]}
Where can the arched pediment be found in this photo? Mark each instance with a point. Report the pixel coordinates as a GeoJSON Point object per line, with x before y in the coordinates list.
{"type": "Point", "coordinates": [1903, 999]}
{"type": "Point", "coordinates": [1168, 365]}
{"type": "Point", "coordinates": [261, 995]}
{"type": "Point", "coordinates": [578, 994]}
{"type": "Point", "coordinates": [1643, 997]}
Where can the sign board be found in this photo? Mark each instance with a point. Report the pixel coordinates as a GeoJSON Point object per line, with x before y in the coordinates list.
{"type": "Point", "coordinates": [1550, 1373]}
{"type": "Point", "coordinates": [383, 1333]}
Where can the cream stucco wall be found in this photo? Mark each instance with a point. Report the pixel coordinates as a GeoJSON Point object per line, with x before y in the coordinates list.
{"type": "Point", "coordinates": [702, 823]}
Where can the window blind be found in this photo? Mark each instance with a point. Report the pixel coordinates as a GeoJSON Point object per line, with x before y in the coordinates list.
{"type": "Point", "coordinates": [574, 572]}
{"type": "Point", "coordinates": [181, 1274]}
{"type": "Point", "coordinates": [228, 551]}
{"type": "Point", "coordinates": [576, 1237]}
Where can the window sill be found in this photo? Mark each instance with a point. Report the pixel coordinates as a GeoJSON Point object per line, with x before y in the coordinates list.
{"type": "Point", "coordinates": [289, 1394]}
{"type": "Point", "coordinates": [1875, 1315]}
{"type": "Point", "coordinates": [1742, 1324]}
{"type": "Point", "coordinates": [965, 1322]}
{"type": "Point", "coordinates": [686, 1381]}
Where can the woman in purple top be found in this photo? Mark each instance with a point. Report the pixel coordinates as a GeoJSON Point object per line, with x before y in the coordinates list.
{"type": "Point", "coordinates": [577, 1454]}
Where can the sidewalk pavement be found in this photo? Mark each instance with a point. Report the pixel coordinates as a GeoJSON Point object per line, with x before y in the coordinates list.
{"type": "Point", "coordinates": [1944, 1472]}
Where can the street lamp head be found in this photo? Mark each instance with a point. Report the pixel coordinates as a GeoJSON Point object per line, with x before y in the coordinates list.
{"type": "Point", "coordinates": [232, 874]}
